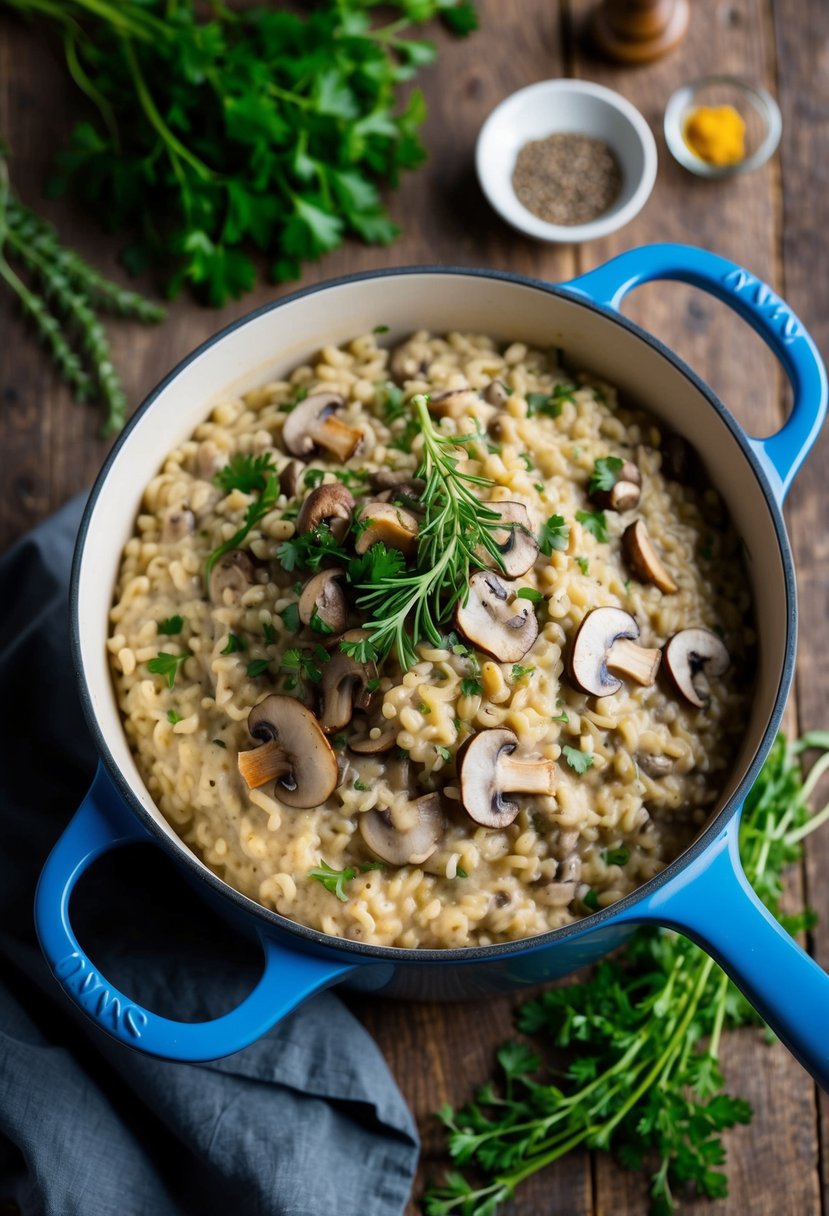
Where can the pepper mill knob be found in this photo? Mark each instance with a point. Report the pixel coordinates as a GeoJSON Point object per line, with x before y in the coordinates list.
{"type": "Point", "coordinates": [637, 31]}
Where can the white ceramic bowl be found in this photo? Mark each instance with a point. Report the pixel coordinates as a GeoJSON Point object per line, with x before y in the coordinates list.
{"type": "Point", "coordinates": [572, 106]}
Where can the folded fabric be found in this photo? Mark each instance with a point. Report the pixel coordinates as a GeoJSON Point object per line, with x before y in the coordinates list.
{"type": "Point", "coordinates": [306, 1121]}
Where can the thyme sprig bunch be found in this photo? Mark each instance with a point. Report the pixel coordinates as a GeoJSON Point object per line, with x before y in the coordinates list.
{"type": "Point", "coordinates": [61, 294]}
{"type": "Point", "coordinates": [645, 1079]}
{"type": "Point", "coordinates": [406, 607]}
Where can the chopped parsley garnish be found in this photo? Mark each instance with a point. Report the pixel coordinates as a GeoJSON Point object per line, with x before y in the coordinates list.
{"type": "Point", "coordinates": [554, 534]}
{"type": "Point", "coordinates": [579, 761]}
{"type": "Point", "coordinates": [246, 473]}
{"type": "Point", "coordinates": [336, 881]}
{"type": "Point", "coordinates": [257, 666]}
{"type": "Point", "coordinates": [583, 564]}
{"type": "Point", "coordinates": [310, 550]}
{"type": "Point", "coordinates": [361, 650]}
{"type": "Point", "coordinates": [380, 329]}
{"type": "Point", "coordinates": [312, 478]}
{"type": "Point", "coordinates": [461, 873]}
{"type": "Point", "coordinates": [471, 688]}
{"type": "Point", "coordinates": [528, 460]}
{"type": "Point", "coordinates": [165, 664]}
{"type": "Point", "coordinates": [617, 857]}
{"type": "Point", "coordinates": [319, 625]}
{"type": "Point", "coordinates": [290, 618]}
{"type": "Point", "coordinates": [519, 672]}
{"type": "Point", "coordinates": [390, 400]}
{"type": "Point", "coordinates": [443, 752]}
{"type": "Point", "coordinates": [424, 708]}
{"type": "Point", "coordinates": [595, 522]}
{"type": "Point", "coordinates": [590, 900]}
{"type": "Point", "coordinates": [562, 717]}
{"type": "Point", "coordinates": [300, 664]}
{"type": "Point", "coordinates": [373, 685]}
{"type": "Point", "coordinates": [171, 626]}
{"type": "Point", "coordinates": [606, 472]}
{"type": "Point", "coordinates": [268, 633]}
{"type": "Point", "coordinates": [220, 743]}
{"type": "Point", "coordinates": [256, 511]}
{"type": "Point", "coordinates": [173, 717]}
{"type": "Point", "coordinates": [234, 643]}
{"type": "Point", "coordinates": [340, 740]}
{"type": "Point", "coordinates": [361, 786]}
{"type": "Point", "coordinates": [529, 593]}
{"type": "Point", "coordinates": [549, 404]}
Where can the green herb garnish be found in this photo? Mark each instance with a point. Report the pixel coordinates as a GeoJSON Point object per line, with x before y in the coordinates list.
{"type": "Point", "coordinates": [268, 633]}
{"type": "Point", "coordinates": [594, 522]}
{"type": "Point", "coordinates": [461, 873]}
{"type": "Point", "coordinates": [519, 672]}
{"type": "Point", "coordinates": [333, 880]}
{"type": "Point", "coordinates": [554, 534]}
{"type": "Point", "coordinates": [550, 404]}
{"type": "Point", "coordinates": [529, 593]}
{"type": "Point", "coordinates": [171, 626]}
{"type": "Point", "coordinates": [617, 857]}
{"type": "Point", "coordinates": [256, 667]}
{"type": "Point", "coordinates": [579, 761]}
{"type": "Point", "coordinates": [166, 664]}
{"type": "Point", "coordinates": [173, 717]}
{"type": "Point", "coordinates": [606, 472]}
{"type": "Point", "coordinates": [249, 474]}
{"type": "Point", "coordinates": [256, 511]}
{"type": "Point", "coordinates": [290, 618]}
{"type": "Point", "coordinates": [471, 688]}
{"type": "Point", "coordinates": [234, 644]}
{"type": "Point", "coordinates": [583, 564]}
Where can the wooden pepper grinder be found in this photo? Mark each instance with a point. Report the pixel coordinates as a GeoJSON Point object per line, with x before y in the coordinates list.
{"type": "Point", "coordinates": [637, 31]}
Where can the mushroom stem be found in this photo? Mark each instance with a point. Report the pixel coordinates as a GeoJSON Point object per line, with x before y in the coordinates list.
{"type": "Point", "coordinates": [637, 662]}
{"type": "Point", "coordinates": [526, 776]}
{"type": "Point", "coordinates": [264, 764]}
{"type": "Point", "coordinates": [337, 437]}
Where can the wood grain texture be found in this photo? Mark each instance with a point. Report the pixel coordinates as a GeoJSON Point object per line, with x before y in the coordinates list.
{"type": "Point", "coordinates": [49, 449]}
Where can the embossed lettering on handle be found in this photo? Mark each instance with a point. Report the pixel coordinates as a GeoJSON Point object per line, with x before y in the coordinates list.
{"type": "Point", "coordinates": [77, 975]}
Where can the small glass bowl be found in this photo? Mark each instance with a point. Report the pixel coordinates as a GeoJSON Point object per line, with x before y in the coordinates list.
{"type": "Point", "coordinates": [759, 111]}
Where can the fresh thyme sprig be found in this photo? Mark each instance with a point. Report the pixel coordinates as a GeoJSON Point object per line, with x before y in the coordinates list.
{"type": "Point", "coordinates": [641, 1082]}
{"type": "Point", "coordinates": [61, 296]}
{"type": "Point", "coordinates": [406, 608]}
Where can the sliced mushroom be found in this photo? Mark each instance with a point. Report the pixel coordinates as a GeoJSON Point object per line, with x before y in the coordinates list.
{"type": "Point", "coordinates": [654, 766]}
{"type": "Point", "coordinates": [329, 504]}
{"type": "Point", "coordinates": [294, 752]}
{"type": "Point", "coordinates": [496, 393]}
{"type": "Point", "coordinates": [624, 495]}
{"type": "Point", "coordinates": [380, 735]}
{"type": "Point", "coordinates": [323, 597]}
{"type": "Point", "coordinates": [412, 847]}
{"type": "Point", "coordinates": [488, 769]}
{"type": "Point", "coordinates": [345, 685]}
{"type": "Point", "coordinates": [606, 640]}
{"type": "Point", "coordinates": [692, 653]}
{"type": "Point", "coordinates": [455, 403]}
{"type": "Point", "coordinates": [495, 621]}
{"type": "Point", "coordinates": [176, 523]}
{"type": "Point", "coordinates": [392, 479]}
{"type": "Point", "coordinates": [640, 555]}
{"type": "Point", "coordinates": [516, 544]}
{"type": "Point", "coordinates": [396, 527]}
{"type": "Point", "coordinates": [289, 478]}
{"type": "Point", "coordinates": [410, 360]}
{"type": "Point", "coordinates": [313, 423]}
{"type": "Point", "coordinates": [233, 572]}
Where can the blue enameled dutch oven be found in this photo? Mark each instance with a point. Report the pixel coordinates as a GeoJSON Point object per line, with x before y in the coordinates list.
{"type": "Point", "coordinates": [704, 894]}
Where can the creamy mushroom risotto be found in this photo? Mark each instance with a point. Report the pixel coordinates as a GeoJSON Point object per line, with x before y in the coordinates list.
{"type": "Point", "coordinates": [436, 646]}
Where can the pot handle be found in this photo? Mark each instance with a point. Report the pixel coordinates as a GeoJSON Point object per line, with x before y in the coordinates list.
{"type": "Point", "coordinates": [781, 454]}
{"type": "Point", "coordinates": [712, 902]}
{"type": "Point", "coordinates": [102, 823]}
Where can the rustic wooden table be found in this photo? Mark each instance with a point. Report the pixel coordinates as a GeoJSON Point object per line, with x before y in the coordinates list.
{"type": "Point", "coordinates": [774, 221]}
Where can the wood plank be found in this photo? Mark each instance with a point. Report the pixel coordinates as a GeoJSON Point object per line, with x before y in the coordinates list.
{"type": "Point", "coordinates": [769, 1169]}
{"type": "Point", "coordinates": [802, 30]}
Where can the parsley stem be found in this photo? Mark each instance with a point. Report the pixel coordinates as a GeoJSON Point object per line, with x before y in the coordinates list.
{"type": "Point", "coordinates": [719, 1017]}
{"type": "Point", "coordinates": [176, 149]}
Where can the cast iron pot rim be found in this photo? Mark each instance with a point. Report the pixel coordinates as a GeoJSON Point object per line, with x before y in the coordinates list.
{"type": "Point", "coordinates": [464, 954]}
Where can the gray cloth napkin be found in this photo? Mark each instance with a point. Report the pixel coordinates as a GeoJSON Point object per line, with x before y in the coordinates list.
{"type": "Point", "coordinates": [305, 1122]}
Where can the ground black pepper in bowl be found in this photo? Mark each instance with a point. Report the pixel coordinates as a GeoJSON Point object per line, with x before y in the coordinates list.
{"type": "Point", "coordinates": [567, 178]}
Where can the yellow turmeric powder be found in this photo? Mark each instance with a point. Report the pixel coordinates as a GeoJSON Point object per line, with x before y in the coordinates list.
{"type": "Point", "coordinates": [716, 134]}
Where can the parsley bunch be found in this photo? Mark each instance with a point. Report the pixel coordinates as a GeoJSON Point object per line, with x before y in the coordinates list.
{"type": "Point", "coordinates": [62, 296]}
{"type": "Point", "coordinates": [645, 1080]}
{"type": "Point", "coordinates": [252, 128]}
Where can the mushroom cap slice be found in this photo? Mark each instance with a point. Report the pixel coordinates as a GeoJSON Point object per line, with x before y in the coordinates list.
{"type": "Point", "coordinates": [312, 424]}
{"type": "Point", "coordinates": [495, 621]}
{"type": "Point", "coordinates": [323, 597]}
{"type": "Point", "coordinates": [693, 652]}
{"type": "Point", "coordinates": [289, 478]}
{"type": "Point", "coordinates": [496, 393]}
{"type": "Point", "coordinates": [293, 751]}
{"type": "Point", "coordinates": [412, 847]}
{"type": "Point", "coordinates": [625, 493]}
{"type": "Point", "coordinates": [396, 527]}
{"type": "Point", "coordinates": [455, 403]}
{"type": "Point", "coordinates": [644, 561]}
{"type": "Point", "coordinates": [368, 744]}
{"type": "Point", "coordinates": [604, 640]}
{"type": "Point", "coordinates": [234, 572]}
{"type": "Point", "coordinates": [516, 544]}
{"type": "Point", "coordinates": [487, 771]}
{"type": "Point", "coordinates": [345, 685]}
{"type": "Point", "coordinates": [329, 504]}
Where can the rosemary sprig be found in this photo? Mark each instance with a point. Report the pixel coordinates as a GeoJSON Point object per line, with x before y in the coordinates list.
{"type": "Point", "coordinates": [61, 298]}
{"type": "Point", "coordinates": [406, 608]}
